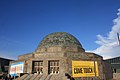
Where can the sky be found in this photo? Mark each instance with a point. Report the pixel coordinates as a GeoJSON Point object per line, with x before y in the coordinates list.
{"type": "Point", "coordinates": [23, 24]}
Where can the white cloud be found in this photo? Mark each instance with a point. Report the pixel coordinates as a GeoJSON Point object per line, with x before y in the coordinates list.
{"type": "Point", "coordinates": [109, 45]}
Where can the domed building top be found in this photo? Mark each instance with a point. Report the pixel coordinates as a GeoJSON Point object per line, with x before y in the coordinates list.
{"type": "Point", "coordinates": [59, 39]}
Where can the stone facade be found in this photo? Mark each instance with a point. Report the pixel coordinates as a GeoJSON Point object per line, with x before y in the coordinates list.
{"type": "Point", "coordinates": [65, 48]}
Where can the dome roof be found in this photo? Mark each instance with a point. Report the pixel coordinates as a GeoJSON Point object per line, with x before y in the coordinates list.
{"type": "Point", "coordinates": [59, 39]}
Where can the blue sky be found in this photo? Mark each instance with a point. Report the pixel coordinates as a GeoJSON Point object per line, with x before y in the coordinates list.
{"type": "Point", "coordinates": [23, 24]}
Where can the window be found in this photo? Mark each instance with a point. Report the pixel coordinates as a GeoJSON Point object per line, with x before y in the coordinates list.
{"type": "Point", "coordinates": [6, 68]}
{"type": "Point", "coordinates": [53, 67]}
{"type": "Point", "coordinates": [38, 66]}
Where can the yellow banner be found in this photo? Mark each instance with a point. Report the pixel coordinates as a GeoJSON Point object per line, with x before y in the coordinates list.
{"type": "Point", "coordinates": [84, 68]}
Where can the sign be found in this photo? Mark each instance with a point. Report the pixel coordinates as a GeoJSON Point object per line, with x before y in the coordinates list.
{"type": "Point", "coordinates": [16, 68]}
{"type": "Point", "coordinates": [84, 68]}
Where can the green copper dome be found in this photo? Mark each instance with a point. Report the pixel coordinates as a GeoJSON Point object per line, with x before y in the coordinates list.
{"type": "Point", "coordinates": [59, 39]}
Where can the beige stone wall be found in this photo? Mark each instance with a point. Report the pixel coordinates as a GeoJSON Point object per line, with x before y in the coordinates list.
{"type": "Point", "coordinates": [116, 76]}
{"type": "Point", "coordinates": [45, 57]}
{"type": "Point", "coordinates": [65, 55]}
{"type": "Point", "coordinates": [26, 56]}
{"type": "Point", "coordinates": [60, 49]}
{"type": "Point", "coordinates": [85, 57]}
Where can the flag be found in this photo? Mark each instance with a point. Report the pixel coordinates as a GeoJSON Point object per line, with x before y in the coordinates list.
{"type": "Point", "coordinates": [118, 38]}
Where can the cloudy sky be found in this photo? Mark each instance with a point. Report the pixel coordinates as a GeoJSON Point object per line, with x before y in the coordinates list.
{"type": "Point", "coordinates": [23, 24]}
{"type": "Point", "coordinates": [109, 44]}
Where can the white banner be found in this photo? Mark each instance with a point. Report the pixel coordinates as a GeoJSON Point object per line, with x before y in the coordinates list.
{"type": "Point", "coordinates": [16, 68]}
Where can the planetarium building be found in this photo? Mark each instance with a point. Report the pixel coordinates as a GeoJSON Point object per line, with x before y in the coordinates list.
{"type": "Point", "coordinates": [60, 56]}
